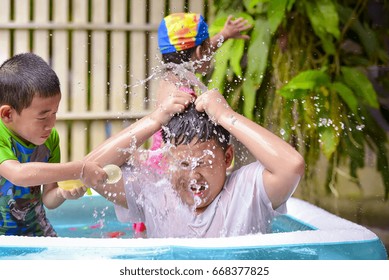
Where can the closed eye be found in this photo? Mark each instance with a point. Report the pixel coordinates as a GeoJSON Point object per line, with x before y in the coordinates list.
{"type": "Point", "coordinates": [184, 164]}
{"type": "Point", "coordinates": [45, 117]}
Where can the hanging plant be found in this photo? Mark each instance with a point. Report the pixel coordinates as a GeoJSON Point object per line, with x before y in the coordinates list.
{"type": "Point", "coordinates": [303, 74]}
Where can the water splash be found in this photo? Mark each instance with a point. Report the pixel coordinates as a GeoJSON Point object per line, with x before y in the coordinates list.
{"type": "Point", "coordinates": [184, 71]}
{"type": "Point", "coordinates": [160, 200]}
{"type": "Point", "coordinates": [196, 187]}
{"type": "Point", "coordinates": [163, 196]}
{"type": "Point", "coordinates": [158, 196]}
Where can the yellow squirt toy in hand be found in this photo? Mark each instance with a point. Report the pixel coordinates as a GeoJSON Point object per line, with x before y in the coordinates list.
{"type": "Point", "coordinates": [113, 171]}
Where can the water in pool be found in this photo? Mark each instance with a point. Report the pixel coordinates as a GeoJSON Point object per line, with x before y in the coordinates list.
{"type": "Point", "coordinates": [93, 218]}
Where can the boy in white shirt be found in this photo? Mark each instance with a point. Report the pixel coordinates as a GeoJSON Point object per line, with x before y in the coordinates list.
{"type": "Point", "coordinates": [193, 196]}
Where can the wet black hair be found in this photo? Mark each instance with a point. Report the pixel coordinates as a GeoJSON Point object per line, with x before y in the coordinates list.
{"type": "Point", "coordinates": [190, 124]}
{"type": "Point", "coordinates": [183, 56]}
{"type": "Point", "coordinates": [24, 76]}
{"type": "Point", "coordinates": [178, 57]}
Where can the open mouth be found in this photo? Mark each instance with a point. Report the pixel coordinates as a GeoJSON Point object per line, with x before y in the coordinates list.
{"type": "Point", "coordinates": [197, 188]}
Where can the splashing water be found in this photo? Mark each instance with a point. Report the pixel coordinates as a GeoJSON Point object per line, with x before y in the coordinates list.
{"type": "Point", "coordinates": [159, 200]}
{"type": "Point", "coordinates": [191, 162]}
{"type": "Point", "coordinates": [196, 188]}
{"type": "Point", "coordinates": [158, 197]}
{"type": "Point", "coordinates": [184, 71]}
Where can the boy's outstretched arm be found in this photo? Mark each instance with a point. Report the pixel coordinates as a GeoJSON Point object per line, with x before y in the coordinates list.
{"type": "Point", "coordinates": [40, 173]}
{"type": "Point", "coordinates": [284, 166]}
{"type": "Point", "coordinates": [232, 30]}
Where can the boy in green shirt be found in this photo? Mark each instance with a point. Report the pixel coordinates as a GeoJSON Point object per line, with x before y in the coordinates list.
{"type": "Point", "coordinates": [29, 149]}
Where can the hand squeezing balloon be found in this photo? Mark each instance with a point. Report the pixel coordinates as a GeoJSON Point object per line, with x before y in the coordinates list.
{"type": "Point", "coordinates": [114, 174]}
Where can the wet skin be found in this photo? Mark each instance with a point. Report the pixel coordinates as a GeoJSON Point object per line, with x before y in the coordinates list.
{"type": "Point", "coordinates": [34, 124]}
{"type": "Point", "coordinates": [198, 172]}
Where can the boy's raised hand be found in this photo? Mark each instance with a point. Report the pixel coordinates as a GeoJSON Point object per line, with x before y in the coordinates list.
{"type": "Point", "coordinates": [232, 28]}
{"type": "Point", "coordinates": [174, 102]}
{"type": "Point", "coordinates": [213, 104]}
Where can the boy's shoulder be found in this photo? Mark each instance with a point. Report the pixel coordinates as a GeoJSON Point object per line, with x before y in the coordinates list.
{"type": "Point", "coordinates": [244, 174]}
{"type": "Point", "coordinates": [248, 167]}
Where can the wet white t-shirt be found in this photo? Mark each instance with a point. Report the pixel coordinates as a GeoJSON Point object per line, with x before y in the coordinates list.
{"type": "Point", "coordinates": [241, 208]}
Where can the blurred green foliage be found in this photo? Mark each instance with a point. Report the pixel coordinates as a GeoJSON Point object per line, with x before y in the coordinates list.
{"type": "Point", "coordinates": [304, 75]}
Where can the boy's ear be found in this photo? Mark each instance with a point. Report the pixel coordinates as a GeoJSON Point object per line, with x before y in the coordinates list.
{"type": "Point", "coordinates": [229, 155]}
{"type": "Point", "coordinates": [6, 113]}
{"type": "Point", "coordinates": [199, 52]}
{"type": "Point", "coordinates": [204, 49]}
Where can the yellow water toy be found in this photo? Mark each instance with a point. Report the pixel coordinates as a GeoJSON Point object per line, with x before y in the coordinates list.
{"type": "Point", "coordinates": [113, 171]}
{"type": "Point", "coordinates": [73, 184]}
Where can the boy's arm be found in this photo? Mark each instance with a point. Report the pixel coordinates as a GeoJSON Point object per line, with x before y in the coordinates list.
{"type": "Point", "coordinates": [232, 30]}
{"type": "Point", "coordinates": [284, 166]}
{"type": "Point", "coordinates": [120, 147]}
{"type": "Point", "coordinates": [41, 173]}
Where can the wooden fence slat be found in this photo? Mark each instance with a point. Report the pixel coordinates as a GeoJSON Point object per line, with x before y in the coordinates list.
{"type": "Point", "coordinates": [98, 73]}
{"type": "Point", "coordinates": [196, 6]}
{"type": "Point", "coordinates": [118, 67]}
{"type": "Point", "coordinates": [5, 46]}
{"type": "Point", "coordinates": [176, 6]}
{"type": "Point", "coordinates": [41, 37]}
{"type": "Point", "coordinates": [21, 42]}
{"type": "Point", "coordinates": [79, 80]}
{"type": "Point", "coordinates": [154, 54]}
{"type": "Point", "coordinates": [60, 61]}
{"type": "Point", "coordinates": [137, 57]}
{"type": "Point", "coordinates": [60, 52]}
{"type": "Point", "coordinates": [4, 34]}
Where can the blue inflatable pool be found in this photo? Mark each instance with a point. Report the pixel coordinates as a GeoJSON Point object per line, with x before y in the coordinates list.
{"type": "Point", "coordinates": [89, 230]}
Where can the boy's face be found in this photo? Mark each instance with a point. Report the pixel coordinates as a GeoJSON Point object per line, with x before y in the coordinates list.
{"type": "Point", "coordinates": [34, 123]}
{"type": "Point", "coordinates": [199, 171]}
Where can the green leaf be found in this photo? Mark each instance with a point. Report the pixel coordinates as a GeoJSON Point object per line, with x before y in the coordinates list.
{"type": "Point", "coordinates": [325, 22]}
{"type": "Point", "coordinates": [276, 13]}
{"type": "Point", "coordinates": [249, 92]}
{"type": "Point", "coordinates": [294, 94]}
{"type": "Point", "coordinates": [324, 16]}
{"type": "Point", "coordinates": [347, 95]}
{"type": "Point", "coordinates": [303, 83]}
{"type": "Point", "coordinates": [290, 5]}
{"type": "Point", "coordinates": [329, 141]}
{"type": "Point", "coordinates": [219, 73]}
{"type": "Point", "coordinates": [354, 148]}
{"type": "Point", "coordinates": [237, 51]}
{"type": "Point", "coordinates": [258, 50]}
{"type": "Point", "coordinates": [361, 85]}
{"type": "Point", "coordinates": [257, 57]}
{"type": "Point", "coordinates": [254, 6]}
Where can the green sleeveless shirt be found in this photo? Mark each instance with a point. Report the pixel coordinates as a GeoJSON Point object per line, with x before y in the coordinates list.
{"type": "Point", "coordinates": [21, 208]}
